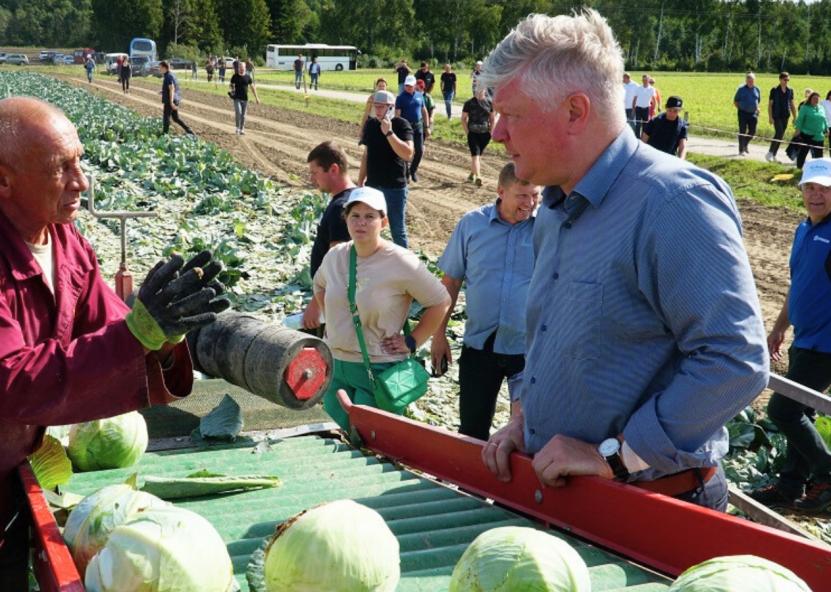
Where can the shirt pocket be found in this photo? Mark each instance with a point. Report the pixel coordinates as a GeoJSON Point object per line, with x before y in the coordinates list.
{"type": "Point", "coordinates": [582, 314]}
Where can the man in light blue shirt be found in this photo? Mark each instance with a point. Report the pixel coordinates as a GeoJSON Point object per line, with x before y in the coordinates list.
{"type": "Point", "coordinates": [746, 100]}
{"type": "Point", "coordinates": [491, 252]}
{"type": "Point", "coordinates": [644, 329]}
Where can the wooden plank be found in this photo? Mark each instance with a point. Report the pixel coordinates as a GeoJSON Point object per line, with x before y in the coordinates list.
{"type": "Point", "coordinates": [764, 515]}
{"type": "Point", "coordinates": [797, 392]}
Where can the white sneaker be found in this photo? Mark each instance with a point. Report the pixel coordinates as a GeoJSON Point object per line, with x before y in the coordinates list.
{"type": "Point", "coordinates": [770, 157]}
{"type": "Point", "coordinates": [236, 131]}
{"type": "Point", "coordinates": [241, 132]}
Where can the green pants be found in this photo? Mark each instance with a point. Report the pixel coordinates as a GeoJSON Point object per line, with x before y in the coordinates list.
{"type": "Point", "coordinates": [351, 377]}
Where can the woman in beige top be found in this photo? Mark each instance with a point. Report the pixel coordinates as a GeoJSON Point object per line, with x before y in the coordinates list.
{"type": "Point", "coordinates": [380, 84]}
{"type": "Point", "coordinates": [389, 277]}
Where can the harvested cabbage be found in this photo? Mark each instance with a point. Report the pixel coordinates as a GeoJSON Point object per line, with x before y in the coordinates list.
{"type": "Point", "coordinates": [747, 573]}
{"type": "Point", "coordinates": [518, 559]}
{"type": "Point", "coordinates": [111, 443]}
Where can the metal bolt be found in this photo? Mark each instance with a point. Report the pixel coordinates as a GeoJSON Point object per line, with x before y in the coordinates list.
{"type": "Point", "coordinates": [538, 496]}
{"type": "Point", "coordinates": [308, 373]}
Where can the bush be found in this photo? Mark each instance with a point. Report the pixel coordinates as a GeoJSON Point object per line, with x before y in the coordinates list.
{"type": "Point", "coordinates": [183, 51]}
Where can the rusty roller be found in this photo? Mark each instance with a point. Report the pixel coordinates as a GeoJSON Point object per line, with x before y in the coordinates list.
{"type": "Point", "coordinates": [286, 367]}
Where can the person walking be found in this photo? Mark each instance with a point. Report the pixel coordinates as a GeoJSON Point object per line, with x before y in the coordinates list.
{"type": "Point", "coordinates": [807, 458]}
{"type": "Point", "coordinates": [655, 106]}
{"type": "Point", "coordinates": [240, 83]}
{"type": "Point", "coordinates": [812, 127]}
{"type": "Point", "coordinates": [448, 88]}
{"type": "Point", "coordinates": [314, 73]}
{"type": "Point", "coordinates": [826, 104]}
{"type": "Point", "coordinates": [222, 69]}
{"type": "Point", "coordinates": [388, 145]}
{"type": "Point", "coordinates": [411, 107]}
{"type": "Point", "coordinates": [249, 68]}
{"type": "Point", "coordinates": [126, 72]}
{"type": "Point", "coordinates": [194, 71]}
{"type": "Point", "coordinates": [474, 77]}
{"type": "Point", "coordinates": [387, 279]}
{"type": "Point", "coordinates": [780, 109]}
{"type": "Point", "coordinates": [171, 99]}
{"type": "Point", "coordinates": [209, 69]}
{"type": "Point", "coordinates": [89, 66]}
{"type": "Point", "coordinates": [429, 104]}
{"type": "Point", "coordinates": [491, 252]}
{"type": "Point", "coordinates": [644, 330]}
{"type": "Point", "coordinates": [369, 108]}
{"type": "Point", "coordinates": [403, 70]}
{"type": "Point", "coordinates": [746, 100]}
{"type": "Point", "coordinates": [298, 71]}
{"type": "Point", "coordinates": [478, 119]}
{"type": "Point", "coordinates": [642, 104]}
{"type": "Point", "coordinates": [668, 131]}
{"type": "Point", "coordinates": [630, 89]}
{"type": "Point", "coordinates": [424, 73]}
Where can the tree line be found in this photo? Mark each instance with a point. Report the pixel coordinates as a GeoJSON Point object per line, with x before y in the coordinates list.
{"type": "Point", "coordinates": [704, 35]}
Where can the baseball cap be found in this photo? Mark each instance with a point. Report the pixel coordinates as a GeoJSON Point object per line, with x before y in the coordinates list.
{"type": "Point", "coordinates": [383, 96]}
{"type": "Point", "coordinates": [369, 196]}
{"type": "Point", "coordinates": [410, 80]}
{"type": "Point", "coordinates": [817, 171]}
{"type": "Point", "coordinates": [674, 102]}
{"type": "Point", "coordinates": [479, 62]}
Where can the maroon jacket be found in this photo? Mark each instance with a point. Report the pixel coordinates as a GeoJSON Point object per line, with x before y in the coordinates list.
{"type": "Point", "coordinates": [67, 358]}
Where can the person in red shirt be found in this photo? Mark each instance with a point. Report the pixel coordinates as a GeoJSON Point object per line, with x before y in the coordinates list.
{"type": "Point", "coordinates": [70, 349]}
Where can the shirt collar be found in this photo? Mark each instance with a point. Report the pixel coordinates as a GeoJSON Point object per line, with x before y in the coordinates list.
{"type": "Point", "coordinates": [22, 262]}
{"type": "Point", "coordinates": [495, 217]}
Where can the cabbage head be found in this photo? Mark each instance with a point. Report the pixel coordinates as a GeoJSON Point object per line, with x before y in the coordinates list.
{"type": "Point", "coordinates": [90, 523]}
{"type": "Point", "coordinates": [111, 443]}
{"type": "Point", "coordinates": [341, 546]}
{"type": "Point", "coordinates": [518, 559]}
{"type": "Point", "coordinates": [162, 550]}
{"type": "Point", "coordinates": [747, 573]}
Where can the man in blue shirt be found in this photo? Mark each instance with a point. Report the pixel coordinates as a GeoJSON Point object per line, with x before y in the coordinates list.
{"type": "Point", "coordinates": [808, 309]}
{"type": "Point", "coordinates": [170, 100]}
{"type": "Point", "coordinates": [644, 329]}
{"type": "Point", "coordinates": [410, 106]}
{"type": "Point", "coordinates": [746, 101]}
{"type": "Point", "coordinates": [490, 251]}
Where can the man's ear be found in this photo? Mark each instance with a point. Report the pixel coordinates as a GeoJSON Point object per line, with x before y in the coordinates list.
{"type": "Point", "coordinates": [6, 177]}
{"type": "Point", "coordinates": [579, 108]}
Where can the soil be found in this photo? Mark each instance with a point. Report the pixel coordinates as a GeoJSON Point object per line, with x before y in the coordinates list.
{"type": "Point", "coordinates": [277, 141]}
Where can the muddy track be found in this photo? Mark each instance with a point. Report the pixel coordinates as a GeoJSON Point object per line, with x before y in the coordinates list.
{"type": "Point", "coordinates": [277, 142]}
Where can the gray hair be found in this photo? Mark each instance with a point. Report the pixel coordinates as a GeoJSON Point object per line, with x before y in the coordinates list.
{"type": "Point", "coordinates": [553, 57]}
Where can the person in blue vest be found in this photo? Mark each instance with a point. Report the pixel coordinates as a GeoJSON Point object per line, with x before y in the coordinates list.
{"type": "Point", "coordinates": [410, 106]}
{"type": "Point", "coordinates": [747, 100]}
{"type": "Point", "coordinates": [808, 309]}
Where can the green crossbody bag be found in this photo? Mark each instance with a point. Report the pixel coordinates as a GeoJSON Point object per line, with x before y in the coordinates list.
{"type": "Point", "coordinates": [399, 385]}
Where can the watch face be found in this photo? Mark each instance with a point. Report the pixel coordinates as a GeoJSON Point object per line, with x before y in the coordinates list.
{"type": "Point", "coordinates": [609, 447]}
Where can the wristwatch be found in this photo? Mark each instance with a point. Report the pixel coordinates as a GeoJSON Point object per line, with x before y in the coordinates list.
{"type": "Point", "coordinates": [609, 449]}
{"type": "Point", "coordinates": [410, 340]}
{"type": "Point", "coordinates": [388, 134]}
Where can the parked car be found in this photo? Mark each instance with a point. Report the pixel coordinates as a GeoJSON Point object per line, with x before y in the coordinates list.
{"type": "Point", "coordinates": [152, 69]}
{"type": "Point", "coordinates": [46, 55]}
{"type": "Point", "coordinates": [179, 64]}
{"type": "Point", "coordinates": [2, 57]}
{"type": "Point", "coordinates": [69, 59]}
{"type": "Point", "coordinates": [111, 61]}
{"type": "Point", "coordinates": [139, 63]}
{"type": "Point", "coordinates": [17, 58]}
{"type": "Point", "coordinates": [57, 58]}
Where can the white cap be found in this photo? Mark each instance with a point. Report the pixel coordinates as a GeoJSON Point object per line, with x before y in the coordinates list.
{"type": "Point", "coordinates": [817, 171]}
{"type": "Point", "coordinates": [479, 62]}
{"type": "Point", "coordinates": [409, 80]}
{"type": "Point", "coordinates": [383, 96]}
{"type": "Point", "coordinates": [369, 196]}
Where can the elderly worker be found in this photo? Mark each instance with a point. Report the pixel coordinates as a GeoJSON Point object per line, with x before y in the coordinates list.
{"type": "Point", "coordinates": [747, 100]}
{"type": "Point", "coordinates": [490, 251]}
{"type": "Point", "coordinates": [70, 350]}
{"type": "Point", "coordinates": [644, 329]}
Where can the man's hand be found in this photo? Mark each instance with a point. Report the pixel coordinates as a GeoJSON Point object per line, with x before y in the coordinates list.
{"type": "Point", "coordinates": [564, 456]}
{"type": "Point", "coordinates": [386, 125]}
{"type": "Point", "coordinates": [497, 452]}
{"type": "Point", "coordinates": [775, 340]}
{"type": "Point", "coordinates": [440, 350]}
{"type": "Point", "coordinates": [175, 298]}
{"type": "Point", "coordinates": [311, 316]}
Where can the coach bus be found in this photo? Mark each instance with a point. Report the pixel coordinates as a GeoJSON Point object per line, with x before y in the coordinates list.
{"type": "Point", "coordinates": [330, 57]}
{"type": "Point", "coordinates": [140, 46]}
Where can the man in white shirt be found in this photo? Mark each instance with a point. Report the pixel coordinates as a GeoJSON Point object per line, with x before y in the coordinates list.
{"type": "Point", "coordinates": [644, 98]}
{"type": "Point", "coordinates": [629, 90]}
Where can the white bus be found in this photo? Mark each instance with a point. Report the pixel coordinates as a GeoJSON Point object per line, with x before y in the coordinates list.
{"type": "Point", "coordinates": [330, 57]}
{"type": "Point", "coordinates": [140, 46]}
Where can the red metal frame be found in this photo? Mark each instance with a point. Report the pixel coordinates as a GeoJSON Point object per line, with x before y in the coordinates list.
{"type": "Point", "coordinates": [53, 565]}
{"type": "Point", "coordinates": [660, 532]}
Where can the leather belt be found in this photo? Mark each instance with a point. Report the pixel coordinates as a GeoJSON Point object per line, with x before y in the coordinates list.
{"type": "Point", "coordinates": [678, 483]}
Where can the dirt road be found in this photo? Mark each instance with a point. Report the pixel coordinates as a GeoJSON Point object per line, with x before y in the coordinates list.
{"type": "Point", "coordinates": [277, 142]}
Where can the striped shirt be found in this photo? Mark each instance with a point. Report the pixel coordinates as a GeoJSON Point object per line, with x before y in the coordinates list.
{"type": "Point", "coordinates": [643, 317]}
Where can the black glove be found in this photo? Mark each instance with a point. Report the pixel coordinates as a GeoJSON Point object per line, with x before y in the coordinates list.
{"type": "Point", "coordinates": [175, 298]}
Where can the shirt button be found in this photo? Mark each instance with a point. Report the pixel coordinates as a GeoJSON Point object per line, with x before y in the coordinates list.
{"type": "Point", "coordinates": [544, 328]}
{"type": "Point", "coordinates": [533, 380]}
{"type": "Point", "coordinates": [567, 225]}
{"type": "Point", "coordinates": [556, 276]}
{"type": "Point", "coordinates": [531, 431]}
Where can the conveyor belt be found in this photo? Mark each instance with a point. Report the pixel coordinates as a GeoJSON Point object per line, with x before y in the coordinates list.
{"type": "Point", "coordinates": [433, 524]}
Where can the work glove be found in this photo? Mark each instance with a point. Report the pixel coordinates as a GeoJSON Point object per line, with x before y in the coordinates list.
{"type": "Point", "coordinates": [175, 298]}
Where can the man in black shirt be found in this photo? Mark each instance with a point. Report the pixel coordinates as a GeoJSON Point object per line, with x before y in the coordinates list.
{"type": "Point", "coordinates": [448, 88]}
{"type": "Point", "coordinates": [427, 76]}
{"type": "Point", "coordinates": [388, 146]}
{"type": "Point", "coordinates": [298, 71]}
{"type": "Point", "coordinates": [170, 99]}
{"type": "Point", "coordinates": [780, 108]}
{"type": "Point", "coordinates": [239, 91]}
{"type": "Point", "coordinates": [667, 132]}
{"type": "Point", "coordinates": [403, 70]}
{"type": "Point", "coordinates": [328, 171]}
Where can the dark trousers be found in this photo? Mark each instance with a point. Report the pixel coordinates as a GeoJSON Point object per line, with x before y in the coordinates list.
{"type": "Point", "coordinates": [418, 145]}
{"type": "Point", "coordinates": [481, 372]}
{"type": "Point", "coordinates": [641, 117]}
{"type": "Point", "coordinates": [170, 113]}
{"type": "Point", "coordinates": [807, 455]}
{"type": "Point", "coordinates": [712, 494]}
{"type": "Point", "coordinates": [14, 543]}
{"type": "Point", "coordinates": [630, 118]}
{"type": "Point", "coordinates": [780, 126]}
{"type": "Point", "coordinates": [814, 146]}
{"type": "Point", "coordinates": [747, 129]}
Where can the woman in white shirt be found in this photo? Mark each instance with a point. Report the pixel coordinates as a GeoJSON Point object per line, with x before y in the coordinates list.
{"type": "Point", "coordinates": [389, 278]}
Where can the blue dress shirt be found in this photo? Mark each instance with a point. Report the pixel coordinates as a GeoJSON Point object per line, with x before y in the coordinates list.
{"type": "Point", "coordinates": [643, 317]}
{"type": "Point", "coordinates": [748, 98]}
{"type": "Point", "coordinates": [809, 299]}
{"type": "Point", "coordinates": [495, 259]}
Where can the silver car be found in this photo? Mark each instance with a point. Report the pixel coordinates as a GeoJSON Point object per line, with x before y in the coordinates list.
{"type": "Point", "coordinates": [17, 58]}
